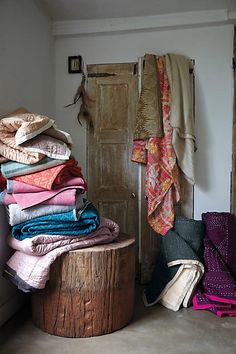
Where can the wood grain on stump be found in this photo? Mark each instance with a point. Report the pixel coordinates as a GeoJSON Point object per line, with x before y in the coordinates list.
{"type": "Point", "coordinates": [90, 291]}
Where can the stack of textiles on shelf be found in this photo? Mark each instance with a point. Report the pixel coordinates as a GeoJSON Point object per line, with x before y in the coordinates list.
{"type": "Point", "coordinates": [44, 199]}
{"type": "Point", "coordinates": [179, 266]}
{"type": "Point", "coordinates": [217, 291]}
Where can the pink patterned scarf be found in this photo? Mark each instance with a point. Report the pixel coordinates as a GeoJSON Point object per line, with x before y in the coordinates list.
{"type": "Point", "coordinates": [162, 183]}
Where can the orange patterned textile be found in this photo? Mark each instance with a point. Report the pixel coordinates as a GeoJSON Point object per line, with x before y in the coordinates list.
{"type": "Point", "coordinates": [162, 182]}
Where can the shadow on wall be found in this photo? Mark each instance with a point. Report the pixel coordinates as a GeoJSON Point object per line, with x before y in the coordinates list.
{"type": "Point", "coordinates": [5, 251]}
{"type": "Point", "coordinates": [203, 135]}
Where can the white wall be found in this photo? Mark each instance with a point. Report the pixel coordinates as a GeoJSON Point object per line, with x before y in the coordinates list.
{"type": "Point", "coordinates": [26, 79]}
{"type": "Point", "coordinates": [26, 59]}
{"type": "Point", "coordinates": [211, 47]}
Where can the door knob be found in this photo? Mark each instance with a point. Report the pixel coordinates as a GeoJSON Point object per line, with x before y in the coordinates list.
{"type": "Point", "coordinates": [133, 195]}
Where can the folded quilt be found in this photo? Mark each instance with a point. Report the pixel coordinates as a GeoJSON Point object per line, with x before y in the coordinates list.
{"type": "Point", "coordinates": [66, 196]}
{"type": "Point", "coordinates": [179, 265]}
{"type": "Point", "coordinates": [48, 146]}
{"type": "Point", "coordinates": [29, 199]}
{"type": "Point", "coordinates": [58, 134]}
{"type": "Point", "coordinates": [12, 169]}
{"type": "Point", "coordinates": [53, 177]}
{"type": "Point", "coordinates": [217, 292]}
{"type": "Point", "coordinates": [29, 266]}
{"type": "Point", "coordinates": [17, 129]}
{"type": "Point", "coordinates": [17, 215]}
{"type": "Point", "coordinates": [16, 187]}
{"type": "Point", "coordinates": [74, 222]}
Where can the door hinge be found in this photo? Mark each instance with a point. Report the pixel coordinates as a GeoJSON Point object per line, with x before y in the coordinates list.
{"type": "Point", "coordinates": [100, 74]}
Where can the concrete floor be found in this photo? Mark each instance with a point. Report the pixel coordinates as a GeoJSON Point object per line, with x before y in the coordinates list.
{"type": "Point", "coordinates": [154, 330]}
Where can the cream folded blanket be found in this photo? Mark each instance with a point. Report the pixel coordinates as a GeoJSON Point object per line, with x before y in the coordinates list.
{"type": "Point", "coordinates": [17, 129]}
{"type": "Point", "coordinates": [23, 128]}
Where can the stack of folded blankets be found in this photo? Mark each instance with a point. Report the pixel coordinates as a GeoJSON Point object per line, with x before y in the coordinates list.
{"type": "Point", "coordinates": [44, 199]}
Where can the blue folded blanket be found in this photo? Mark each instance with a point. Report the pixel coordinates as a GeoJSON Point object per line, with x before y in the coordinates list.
{"type": "Point", "coordinates": [79, 222]}
{"type": "Point", "coordinates": [12, 168]}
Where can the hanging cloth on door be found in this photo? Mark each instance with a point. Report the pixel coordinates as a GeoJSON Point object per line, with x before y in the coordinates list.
{"type": "Point", "coordinates": [149, 112]}
{"type": "Point", "coordinates": [181, 113]}
{"type": "Point", "coordinates": [162, 183]}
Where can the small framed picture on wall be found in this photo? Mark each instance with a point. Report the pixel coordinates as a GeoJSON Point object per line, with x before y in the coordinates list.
{"type": "Point", "coordinates": [75, 64]}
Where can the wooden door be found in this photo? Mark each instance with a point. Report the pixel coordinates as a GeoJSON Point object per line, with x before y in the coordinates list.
{"type": "Point", "coordinates": [112, 177]}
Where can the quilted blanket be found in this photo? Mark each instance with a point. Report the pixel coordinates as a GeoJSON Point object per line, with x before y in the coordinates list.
{"type": "Point", "coordinates": [53, 177]}
{"type": "Point", "coordinates": [27, 196]}
{"type": "Point", "coordinates": [21, 138]}
{"type": "Point", "coordinates": [11, 168]}
{"type": "Point", "coordinates": [74, 222]}
{"type": "Point", "coordinates": [29, 267]}
{"type": "Point", "coordinates": [48, 146]}
{"type": "Point", "coordinates": [15, 130]}
{"type": "Point", "coordinates": [17, 216]}
{"type": "Point", "coordinates": [66, 196]}
{"type": "Point", "coordinates": [179, 266]}
{"type": "Point", "coordinates": [217, 292]}
{"type": "Point", "coordinates": [15, 187]}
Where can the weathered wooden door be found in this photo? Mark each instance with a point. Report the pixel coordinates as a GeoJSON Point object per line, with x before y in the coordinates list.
{"type": "Point", "coordinates": [112, 177]}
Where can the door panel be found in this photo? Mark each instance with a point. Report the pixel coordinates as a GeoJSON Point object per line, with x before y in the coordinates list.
{"type": "Point", "coordinates": [112, 177]}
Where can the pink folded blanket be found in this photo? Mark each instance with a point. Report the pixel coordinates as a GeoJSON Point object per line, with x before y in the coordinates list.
{"type": "Point", "coordinates": [16, 187]}
{"type": "Point", "coordinates": [65, 197]}
{"type": "Point", "coordinates": [27, 196]}
{"type": "Point", "coordinates": [29, 266]}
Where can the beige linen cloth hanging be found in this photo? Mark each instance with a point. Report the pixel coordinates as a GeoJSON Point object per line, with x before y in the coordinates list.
{"type": "Point", "coordinates": [181, 115]}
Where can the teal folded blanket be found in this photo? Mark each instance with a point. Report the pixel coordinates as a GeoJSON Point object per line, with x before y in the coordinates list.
{"type": "Point", "coordinates": [12, 169]}
{"type": "Point", "coordinates": [72, 223]}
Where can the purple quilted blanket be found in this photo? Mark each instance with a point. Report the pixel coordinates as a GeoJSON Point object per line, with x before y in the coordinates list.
{"type": "Point", "coordinates": [217, 292]}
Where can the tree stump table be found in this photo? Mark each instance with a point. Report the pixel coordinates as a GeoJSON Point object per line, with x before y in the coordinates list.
{"type": "Point", "coordinates": [90, 291]}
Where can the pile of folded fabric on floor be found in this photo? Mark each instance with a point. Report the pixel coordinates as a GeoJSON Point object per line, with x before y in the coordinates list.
{"type": "Point", "coordinates": [197, 265]}
{"type": "Point", "coordinates": [44, 199]}
{"type": "Point", "coordinates": [217, 291]}
{"type": "Point", "coordinates": [179, 266]}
